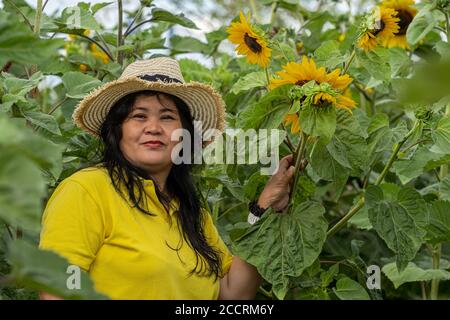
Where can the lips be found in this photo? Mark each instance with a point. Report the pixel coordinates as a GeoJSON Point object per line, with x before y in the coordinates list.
{"type": "Point", "coordinates": [153, 143]}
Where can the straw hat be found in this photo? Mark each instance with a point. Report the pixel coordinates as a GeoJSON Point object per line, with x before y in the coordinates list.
{"type": "Point", "coordinates": [161, 74]}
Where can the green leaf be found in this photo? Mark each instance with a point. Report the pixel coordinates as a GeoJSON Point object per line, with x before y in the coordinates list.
{"type": "Point", "coordinates": [98, 6]}
{"type": "Point", "coordinates": [408, 169]}
{"type": "Point", "coordinates": [399, 62]}
{"type": "Point", "coordinates": [268, 112]}
{"type": "Point", "coordinates": [16, 89]}
{"type": "Point", "coordinates": [327, 276]}
{"type": "Point", "coordinates": [326, 167]}
{"type": "Point", "coordinates": [413, 273]}
{"type": "Point", "coordinates": [43, 120]}
{"type": "Point", "coordinates": [249, 81]}
{"type": "Point", "coordinates": [283, 246]}
{"type": "Point", "coordinates": [19, 44]}
{"type": "Point", "coordinates": [348, 146]}
{"type": "Point", "coordinates": [399, 216]}
{"type": "Point", "coordinates": [76, 20]}
{"type": "Point", "coordinates": [318, 122]}
{"type": "Point", "coordinates": [361, 219]}
{"type": "Point", "coordinates": [441, 137]}
{"type": "Point", "coordinates": [348, 289]}
{"type": "Point", "coordinates": [329, 55]}
{"type": "Point", "coordinates": [439, 222]}
{"type": "Point", "coordinates": [443, 48]}
{"type": "Point", "coordinates": [18, 137]}
{"type": "Point", "coordinates": [181, 44]}
{"type": "Point", "coordinates": [79, 84]}
{"type": "Point", "coordinates": [444, 189]}
{"type": "Point", "coordinates": [422, 24]}
{"type": "Point", "coordinates": [22, 189]}
{"type": "Point", "coordinates": [46, 271]}
{"type": "Point", "coordinates": [163, 15]}
{"type": "Point", "coordinates": [376, 62]}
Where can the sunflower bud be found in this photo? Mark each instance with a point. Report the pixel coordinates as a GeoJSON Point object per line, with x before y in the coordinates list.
{"type": "Point", "coordinates": [423, 114]}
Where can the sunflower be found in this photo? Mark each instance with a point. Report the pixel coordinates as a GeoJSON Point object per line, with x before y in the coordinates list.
{"type": "Point", "coordinates": [406, 14]}
{"type": "Point", "coordinates": [381, 26]}
{"type": "Point", "coordinates": [250, 42]}
{"type": "Point", "coordinates": [98, 53]}
{"type": "Point", "coordinates": [306, 71]}
{"type": "Point", "coordinates": [293, 120]}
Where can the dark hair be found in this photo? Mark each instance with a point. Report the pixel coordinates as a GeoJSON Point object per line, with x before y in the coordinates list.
{"type": "Point", "coordinates": [179, 181]}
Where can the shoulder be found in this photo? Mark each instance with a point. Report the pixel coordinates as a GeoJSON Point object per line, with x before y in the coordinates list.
{"type": "Point", "coordinates": [91, 178]}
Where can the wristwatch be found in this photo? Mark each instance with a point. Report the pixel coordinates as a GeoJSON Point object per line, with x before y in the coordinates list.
{"type": "Point", "coordinates": [255, 212]}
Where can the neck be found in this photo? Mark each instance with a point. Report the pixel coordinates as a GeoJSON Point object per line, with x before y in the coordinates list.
{"type": "Point", "coordinates": [160, 179]}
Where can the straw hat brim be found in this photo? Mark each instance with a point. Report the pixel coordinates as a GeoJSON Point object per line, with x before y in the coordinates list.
{"type": "Point", "coordinates": [205, 104]}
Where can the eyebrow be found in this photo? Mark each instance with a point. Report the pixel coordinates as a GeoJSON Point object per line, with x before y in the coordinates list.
{"type": "Point", "coordinates": [162, 110]}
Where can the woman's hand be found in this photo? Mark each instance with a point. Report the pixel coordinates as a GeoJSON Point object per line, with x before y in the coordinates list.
{"type": "Point", "coordinates": [277, 190]}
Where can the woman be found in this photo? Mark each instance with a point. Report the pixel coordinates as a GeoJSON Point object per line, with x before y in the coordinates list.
{"type": "Point", "coordinates": [134, 221]}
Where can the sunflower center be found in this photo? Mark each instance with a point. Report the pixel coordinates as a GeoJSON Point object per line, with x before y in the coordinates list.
{"type": "Point", "coordinates": [405, 20]}
{"type": "Point", "coordinates": [252, 44]}
{"type": "Point", "coordinates": [379, 26]}
{"type": "Point", "coordinates": [301, 82]}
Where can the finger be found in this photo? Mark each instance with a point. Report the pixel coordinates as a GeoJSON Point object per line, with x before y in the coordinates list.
{"type": "Point", "coordinates": [290, 172]}
{"type": "Point", "coordinates": [285, 162]}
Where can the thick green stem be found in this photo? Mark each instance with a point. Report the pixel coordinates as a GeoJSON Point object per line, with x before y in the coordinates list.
{"type": "Point", "coordinates": [267, 76]}
{"type": "Point", "coordinates": [119, 33]}
{"type": "Point", "coordinates": [436, 265]}
{"type": "Point", "coordinates": [349, 62]}
{"type": "Point", "coordinates": [37, 18]}
{"type": "Point", "coordinates": [273, 12]}
{"type": "Point", "coordinates": [341, 223]}
{"type": "Point", "coordinates": [255, 10]}
{"type": "Point", "coordinates": [298, 159]}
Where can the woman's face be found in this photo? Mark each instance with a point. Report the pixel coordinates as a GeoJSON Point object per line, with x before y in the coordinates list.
{"type": "Point", "coordinates": [146, 133]}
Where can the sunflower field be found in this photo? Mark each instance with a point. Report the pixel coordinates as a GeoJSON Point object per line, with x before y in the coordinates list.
{"type": "Point", "coordinates": [358, 90]}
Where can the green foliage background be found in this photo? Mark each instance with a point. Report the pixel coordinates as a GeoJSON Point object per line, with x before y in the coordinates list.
{"type": "Point", "coordinates": [387, 164]}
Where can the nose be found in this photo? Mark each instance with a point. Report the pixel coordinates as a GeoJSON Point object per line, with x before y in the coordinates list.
{"type": "Point", "coordinates": [152, 126]}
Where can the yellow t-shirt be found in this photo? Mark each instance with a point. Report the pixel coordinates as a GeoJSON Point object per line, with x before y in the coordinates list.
{"type": "Point", "coordinates": [125, 251]}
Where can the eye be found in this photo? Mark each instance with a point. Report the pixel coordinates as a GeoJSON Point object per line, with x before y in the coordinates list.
{"type": "Point", "coordinates": [167, 117]}
{"type": "Point", "coordinates": [139, 116]}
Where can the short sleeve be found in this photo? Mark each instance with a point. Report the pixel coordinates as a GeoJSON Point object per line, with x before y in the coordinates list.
{"type": "Point", "coordinates": [72, 224]}
{"type": "Point", "coordinates": [216, 241]}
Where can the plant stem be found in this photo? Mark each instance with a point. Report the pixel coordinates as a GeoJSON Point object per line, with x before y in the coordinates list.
{"type": "Point", "coordinates": [45, 4]}
{"type": "Point", "coordinates": [267, 76]}
{"type": "Point", "coordinates": [341, 223]}
{"type": "Point", "coordinates": [436, 265]}
{"type": "Point", "coordinates": [273, 12]}
{"type": "Point", "coordinates": [9, 231]}
{"type": "Point", "coordinates": [393, 157]}
{"type": "Point", "coordinates": [231, 208]}
{"type": "Point", "coordinates": [424, 290]}
{"type": "Point", "coordinates": [255, 10]}
{"type": "Point", "coordinates": [119, 33]}
{"type": "Point", "coordinates": [98, 45]}
{"type": "Point", "coordinates": [22, 14]}
{"type": "Point", "coordinates": [137, 26]}
{"type": "Point", "coordinates": [347, 65]}
{"type": "Point", "coordinates": [106, 47]}
{"type": "Point", "coordinates": [138, 14]}
{"type": "Point", "coordinates": [447, 25]}
{"type": "Point", "coordinates": [37, 18]}
{"type": "Point", "coordinates": [58, 105]}
{"type": "Point", "coordinates": [298, 158]}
